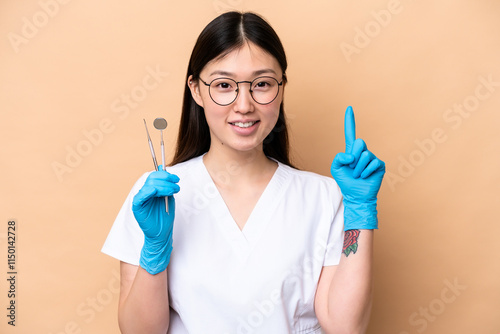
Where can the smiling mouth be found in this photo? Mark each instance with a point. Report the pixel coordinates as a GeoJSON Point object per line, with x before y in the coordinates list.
{"type": "Point", "coordinates": [243, 124]}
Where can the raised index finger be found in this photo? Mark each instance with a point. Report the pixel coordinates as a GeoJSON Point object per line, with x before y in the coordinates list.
{"type": "Point", "coordinates": [349, 129]}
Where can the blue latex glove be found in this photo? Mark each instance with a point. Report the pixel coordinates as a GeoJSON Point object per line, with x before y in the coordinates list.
{"type": "Point", "coordinates": [359, 173]}
{"type": "Point", "coordinates": [148, 207]}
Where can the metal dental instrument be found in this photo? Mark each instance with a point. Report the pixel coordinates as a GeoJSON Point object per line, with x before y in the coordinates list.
{"type": "Point", "coordinates": [151, 146]}
{"type": "Point", "coordinates": [161, 124]}
{"type": "Point", "coordinates": [154, 156]}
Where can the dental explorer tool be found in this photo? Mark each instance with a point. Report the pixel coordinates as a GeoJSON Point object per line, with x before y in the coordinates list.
{"type": "Point", "coordinates": [151, 146]}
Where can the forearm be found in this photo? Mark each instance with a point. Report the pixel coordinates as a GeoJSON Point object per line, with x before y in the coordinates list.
{"type": "Point", "coordinates": [145, 308]}
{"type": "Point", "coordinates": [350, 290]}
{"type": "Point", "coordinates": [345, 292]}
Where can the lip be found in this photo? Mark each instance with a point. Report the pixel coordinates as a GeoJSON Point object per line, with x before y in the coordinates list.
{"type": "Point", "coordinates": [244, 131]}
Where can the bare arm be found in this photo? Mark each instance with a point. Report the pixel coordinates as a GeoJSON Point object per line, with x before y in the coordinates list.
{"type": "Point", "coordinates": [143, 305]}
{"type": "Point", "coordinates": [344, 294]}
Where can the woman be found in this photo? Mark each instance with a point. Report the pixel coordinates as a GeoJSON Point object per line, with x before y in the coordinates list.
{"type": "Point", "coordinates": [256, 244]}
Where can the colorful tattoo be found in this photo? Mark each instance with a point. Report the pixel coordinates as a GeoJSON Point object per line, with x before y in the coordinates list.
{"type": "Point", "coordinates": [350, 242]}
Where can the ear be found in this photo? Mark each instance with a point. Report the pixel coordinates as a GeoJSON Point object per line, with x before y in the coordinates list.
{"type": "Point", "coordinates": [194, 87]}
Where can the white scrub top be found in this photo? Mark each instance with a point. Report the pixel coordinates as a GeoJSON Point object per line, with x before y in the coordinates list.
{"type": "Point", "coordinates": [261, 279]}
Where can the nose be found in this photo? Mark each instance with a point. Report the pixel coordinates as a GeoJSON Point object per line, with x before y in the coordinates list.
{"type": "Point", "coordinates": [244, 101]}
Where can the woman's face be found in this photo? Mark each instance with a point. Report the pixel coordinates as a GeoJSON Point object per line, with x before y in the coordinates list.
{"type": "Point", "coordinates": [244, 124]}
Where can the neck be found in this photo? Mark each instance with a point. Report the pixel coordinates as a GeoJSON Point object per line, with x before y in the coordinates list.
{"type": "Point", "coordinates": [229, 167]}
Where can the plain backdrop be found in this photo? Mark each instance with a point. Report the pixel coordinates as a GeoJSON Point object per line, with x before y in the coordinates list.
{"type": "Point", "coordinates": [77, 78]}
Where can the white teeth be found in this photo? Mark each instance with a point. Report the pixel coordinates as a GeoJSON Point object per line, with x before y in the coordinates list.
{"type": "Point", "coordinates": [244, 125]}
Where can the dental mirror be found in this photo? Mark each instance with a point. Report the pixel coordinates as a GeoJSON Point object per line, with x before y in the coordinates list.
{"type": "Point", "coordinates": [161, 124]}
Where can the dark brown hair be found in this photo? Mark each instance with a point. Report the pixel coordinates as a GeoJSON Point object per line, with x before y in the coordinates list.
{"type": "Point", "coordinates": [224, 34]}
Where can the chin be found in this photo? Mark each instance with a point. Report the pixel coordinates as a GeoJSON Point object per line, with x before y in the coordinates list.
{"type": "Point", "coordinates": [247, 147]}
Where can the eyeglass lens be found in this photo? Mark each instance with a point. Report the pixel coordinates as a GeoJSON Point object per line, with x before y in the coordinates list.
{"type": "Point", "coordinates": [225, 90]}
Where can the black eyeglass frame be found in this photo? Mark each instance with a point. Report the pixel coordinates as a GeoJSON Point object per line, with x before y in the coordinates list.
{"type": "Point", "coordinates": [238, 89]}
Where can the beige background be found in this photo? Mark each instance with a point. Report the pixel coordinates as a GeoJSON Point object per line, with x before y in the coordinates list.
{"type": "Point", "coordinates": [66, 67]}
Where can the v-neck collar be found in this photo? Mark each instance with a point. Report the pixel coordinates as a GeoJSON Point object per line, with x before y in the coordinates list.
{"type": "Point", "coordinates": [245, 239]}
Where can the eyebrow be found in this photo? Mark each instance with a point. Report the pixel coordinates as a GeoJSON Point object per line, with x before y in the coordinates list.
{"type": "Point", "coordinates": [229, 74]}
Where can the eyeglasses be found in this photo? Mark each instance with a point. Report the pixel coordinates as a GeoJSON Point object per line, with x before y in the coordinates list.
{"type": "Point", "coordinates": [224, 91]}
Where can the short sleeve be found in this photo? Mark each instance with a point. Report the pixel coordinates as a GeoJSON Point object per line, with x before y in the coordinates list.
{"type": "Point", "coordinates": [336, 237]}
{"type": "Point", "coordinates": [125, 240]}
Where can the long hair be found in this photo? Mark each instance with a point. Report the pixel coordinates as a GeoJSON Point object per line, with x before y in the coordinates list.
{"type": "Point", "coordinates": [224, 34]}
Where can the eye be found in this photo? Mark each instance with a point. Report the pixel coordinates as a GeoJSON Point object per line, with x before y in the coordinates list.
{"type": "Point", "coordinates": [264, 84]}
{"type": "Point", "coordinates": [223, 85]}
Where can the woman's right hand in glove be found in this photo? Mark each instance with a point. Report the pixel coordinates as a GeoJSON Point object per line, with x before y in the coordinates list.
{"type": "Point", "coordinates": [148, 207]}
